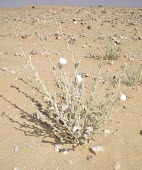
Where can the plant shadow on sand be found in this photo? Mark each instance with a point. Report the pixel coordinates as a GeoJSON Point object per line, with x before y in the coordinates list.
{"type": "Point", "coordinates": [35, 127]}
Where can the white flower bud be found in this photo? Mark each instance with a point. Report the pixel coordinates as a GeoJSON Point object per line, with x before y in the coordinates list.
{"type": "Point", "coordinates": [63, 61]}
{"type": "Point", "coordinates": [89, 129]}
{"type": "Point", "coordinates": [64, 106]}
{"type": "Point", "coordinates": [79, 78]}
{"type": "Point", "coordinates": [123, 97]}
{"type": "Point", "coordinates": [75, 128]}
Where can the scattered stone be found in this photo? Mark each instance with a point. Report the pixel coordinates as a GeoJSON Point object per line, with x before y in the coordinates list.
{"type": "Point", "coordinates": [100, 37]}
{"type": "Point", "coordinates": [139, 38]}
{"type": "Point", "coordinates": [16, 149]}
{"type": "Point", "coordinates": [85, 75]}
{"type": "Point", "coordinates": [123, 97]}
{"type": "Point", "coordinates": [106, 132]}
{"type": "Point", "coordinates": [57, 148]}
{"type": "Point", "coordinates": [89, 158]}
{"type": "Point", "coordinates": [16, 168]}
{"type": "Point", "coordinates": [75, 145]}
{"type": "Point", "coordinates": [18, 54]}
{"type": "Point", "coordinates": [13, 72]}
{"type": "Point", "coordinates": [122, 37]}
{"type": "Point", "coordinates": [33, 52]}
{"type": "Point", "coordinates": [58, 37]}
{"type": "Point", "coordinates": [96, 149]}
{"type": "Point", "coordinates": [72, 40]}
{"type": "Point", "coordinates": [45, 37]}
{"type": "Point", "coordinates": [117, 166]}
{"type": "Point", "coordinates": [57, 34]}
{"type": "Point", "coordinates": [24, 36]}
{"type": "Point", "coordinates": [62, 22]}
{"type": "Point", "coordinates": [65, 152]}
{"type": "Point", "coordinates": [89, 27]}
{"type": "Point", "coordinates": [35, 20]}
{"type": "Point", "coordinates": [141, 132]}
{"type": "Point", "coordinates": [117, 42]}
{"type": "Point", "coordinates": [84, 46]}
{"type": "Point", "coordinates": [92, 55]}
{"type": "Point", "coordinates": [75, 22]}
{"type": "Point", "coordinates": [2, 113]}
{"type": "Point", "coordinates": [111, 62]}
{"type": "Point", "coordinates": [70, 161]}
{"type": "Point", "coordinates": [82, 23]}
{"type": "Point", "coordinates": [4, 68]}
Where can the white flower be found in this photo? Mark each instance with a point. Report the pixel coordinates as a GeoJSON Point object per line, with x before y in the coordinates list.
{"type": "Point", "coordinates": [75, 128]}
{"type": "Point", "coordinates": [123, 97]}
{"type": "Point", "coordinates": [64, 106]}
{"type": "Point", "coordinates": [79, 78]}
{"type": "Point", "coordinates": [89, 129]}
{"type": "Point", "coordinates": [63, 61]}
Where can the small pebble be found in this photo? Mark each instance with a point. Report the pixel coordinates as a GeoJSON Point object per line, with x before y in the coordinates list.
{"type": "Point", "coordinates": [4, 69]}
{"type": "Point", "coordinates": [16, 168]}
{"type": "Point", "coordinates": [16, 149]}
{"type": "Point", "coordinates": [13, 72]}
{"type": "Point", "coordinates": [70, 161]}
{"type": "Point", "coordinates": [75, 22]}
{"type": "Point", "coordinates": [2, 113]}
{"type": "Point", "coordinates": [58, 37]}
{"type": "Point", "coordinates": [33, 52]}
{"type": "Point", "coordinates": [106, 132]}
{"type": "Point", "coordinates": [89, 27]}
{"type": "Point", "coordinates": [117, 166]}
{"type": "Point", "coordinates": [57, 148]}
{"type": "Point", "coordinates": [89, 158]}
{"type": "Point", "coordinates": [24, 36]}
{"type": "Point", "coordinates": [96, 149]}
{"type": "Point", "coordinates": [17, 54]}
{"type": "Point", "coordinates": [111, 62]}
{"type": "Point", "coordinates": [65, 152]}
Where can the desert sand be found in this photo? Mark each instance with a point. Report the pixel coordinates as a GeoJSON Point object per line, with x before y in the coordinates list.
{"type": "Point", "coordinates": [24, 142]}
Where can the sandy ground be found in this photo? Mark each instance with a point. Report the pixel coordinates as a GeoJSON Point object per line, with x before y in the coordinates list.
{"type": "Point", "coordinates": [24, 142]}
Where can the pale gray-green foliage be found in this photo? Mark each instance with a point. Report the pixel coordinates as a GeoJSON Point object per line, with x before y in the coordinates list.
{"type": "Point", "coordinates": [76, 111]}
{"type": "Point", "coordinates": [112, 52]}
{"type": "Point", "coordinates": [133, 75]}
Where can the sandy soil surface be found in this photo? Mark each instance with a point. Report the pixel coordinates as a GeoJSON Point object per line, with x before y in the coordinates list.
{"type": "Point", "coordinates": [24, 142]}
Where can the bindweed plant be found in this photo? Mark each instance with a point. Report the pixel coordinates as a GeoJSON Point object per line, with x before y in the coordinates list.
{"type": "Point", "coordinates": [77, 110]}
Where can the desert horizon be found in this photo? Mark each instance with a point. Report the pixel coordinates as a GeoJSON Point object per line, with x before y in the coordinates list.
{"type": "Point", "coordinates": [79, 3]}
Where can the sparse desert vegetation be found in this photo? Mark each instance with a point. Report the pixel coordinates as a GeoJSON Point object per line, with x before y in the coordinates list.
{"type": "Point", "coordinates": [68, 97]}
